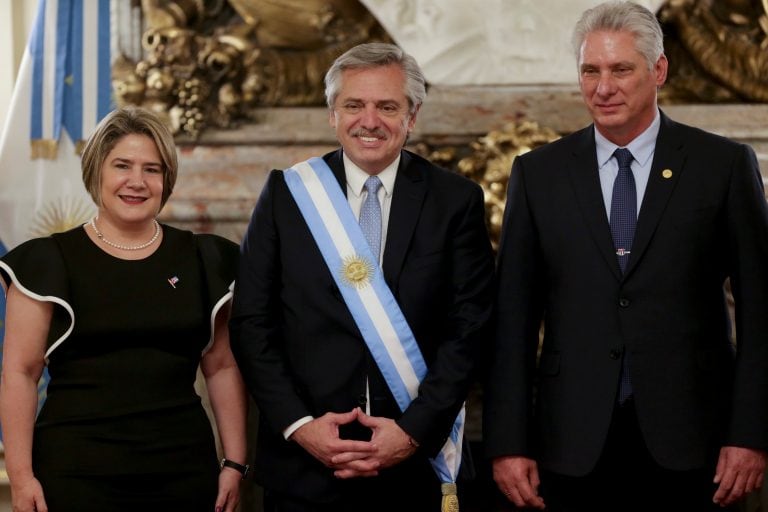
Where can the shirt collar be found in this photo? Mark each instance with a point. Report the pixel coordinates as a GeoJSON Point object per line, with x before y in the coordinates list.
{"type": "Point", "coordinates": [641, 147]}
{"type": "Point", "coordinates": [356, 176]}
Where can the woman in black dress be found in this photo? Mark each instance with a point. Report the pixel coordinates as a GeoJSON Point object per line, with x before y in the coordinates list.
{"type": "Point", "coordinates": [122, 310]}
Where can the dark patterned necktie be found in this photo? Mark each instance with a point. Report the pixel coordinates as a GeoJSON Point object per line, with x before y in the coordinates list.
{"type": "Point", "coordinates": [623, 208]}
{"type": "Point", "coordinates": [623, 221]}
{"type": "Point", "coordinates": [370, 216]}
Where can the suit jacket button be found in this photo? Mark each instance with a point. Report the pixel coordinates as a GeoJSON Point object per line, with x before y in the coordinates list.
{"type": "Point", "coordinates": [362, 401]}
{"type": "Point", "coordinates": [624, 302]}
{"type": "Point", "coordinates": [614, 354]}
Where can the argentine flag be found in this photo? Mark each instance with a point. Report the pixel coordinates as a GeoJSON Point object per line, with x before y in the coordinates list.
{"type": "Point", "coordinates": [62, 91]}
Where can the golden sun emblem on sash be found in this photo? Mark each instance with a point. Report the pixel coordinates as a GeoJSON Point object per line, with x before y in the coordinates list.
{"type": "Point", "coordinates": [356, 271]}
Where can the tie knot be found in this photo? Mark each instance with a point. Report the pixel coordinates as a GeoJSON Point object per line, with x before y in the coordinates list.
{"type": "Point", "coordinates": [624, 157]}
{"type": "Point", "coordinates": [372, 184]}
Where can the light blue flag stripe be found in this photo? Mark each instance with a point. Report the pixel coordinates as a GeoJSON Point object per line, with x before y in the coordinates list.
{"type": "Point", "coordinates": [40, 86]}
{"type": "Point", "coordinates": [447, 470]}
{"type": "Point", "coordinates": [105, 104]}
{"type": "Point", "coordinates": [64, 92]}
{"type": "Point", "coordinates": [62, 42]}
{"type": "Point", "coordinates": [37, 53]}
{"type": "Point", "coordinates": [73, 92]}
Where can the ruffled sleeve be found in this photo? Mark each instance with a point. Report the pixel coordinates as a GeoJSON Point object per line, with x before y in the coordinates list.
{"type": "Point", "coordinates": [37, 269]}
{"type": "Point", "coordinates": [219, 260]}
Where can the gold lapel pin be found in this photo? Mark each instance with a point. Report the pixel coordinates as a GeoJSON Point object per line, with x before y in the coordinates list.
{"type": "Point", "coordinates": [667, 173]}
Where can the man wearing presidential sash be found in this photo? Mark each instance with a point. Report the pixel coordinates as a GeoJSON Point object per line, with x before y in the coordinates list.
{"type": "Point", "coordinates": [360, 307]}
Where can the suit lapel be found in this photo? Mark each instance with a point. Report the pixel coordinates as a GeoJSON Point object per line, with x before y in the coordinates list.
{"type": "Point", "coordinates": [585, 181]}
{"type": "Point", "coordinates": [668, 155]}
{"type": "Point", "coordinates": [407, 199]}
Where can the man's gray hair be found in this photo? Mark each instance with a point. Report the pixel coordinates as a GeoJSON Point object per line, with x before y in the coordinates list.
{"type": "Point", "coordinates": [619, 16]}
{"type": "Point", "coordinates": [372, 55]}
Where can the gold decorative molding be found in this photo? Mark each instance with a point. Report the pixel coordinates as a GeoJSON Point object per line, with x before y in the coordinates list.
{"type": "Point", "coordinates": [212, 63]}
{"type": "Point", "coordinates": [489, 161]}
{"type": "Point", "coordinates": [718, 51]}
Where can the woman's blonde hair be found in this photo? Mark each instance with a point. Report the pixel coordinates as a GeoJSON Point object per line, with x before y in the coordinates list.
{"type": "Point", "coordinates": [116, 125]}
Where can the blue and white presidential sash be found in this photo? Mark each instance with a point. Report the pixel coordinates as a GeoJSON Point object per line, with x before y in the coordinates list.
{"type": "Point", "coordinates": [361, 282]}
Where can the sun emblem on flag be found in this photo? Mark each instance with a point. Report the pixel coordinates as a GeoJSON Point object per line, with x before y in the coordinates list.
{"type": "Point", "coordinates": [61, 214]}
{"type": "Point", "coordinates": [357, 271]}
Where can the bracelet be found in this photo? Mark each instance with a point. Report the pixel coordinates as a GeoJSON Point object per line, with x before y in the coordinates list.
{"type": "Point", "coordinates": [242, 469]}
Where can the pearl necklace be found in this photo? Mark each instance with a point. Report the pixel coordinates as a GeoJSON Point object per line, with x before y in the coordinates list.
{"type": "Point", "coordinates": [126, 247]}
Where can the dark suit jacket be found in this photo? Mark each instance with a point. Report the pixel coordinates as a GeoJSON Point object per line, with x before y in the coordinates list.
{"type": "Point", "coordinates": [693, 392]}
{"type": "Point", "coordinates": [296, 342]}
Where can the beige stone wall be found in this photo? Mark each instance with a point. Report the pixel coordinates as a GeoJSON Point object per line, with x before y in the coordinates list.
{"type": "Point", "coordinates": [222, 173]}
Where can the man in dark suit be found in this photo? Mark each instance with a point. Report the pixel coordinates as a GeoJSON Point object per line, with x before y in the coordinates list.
{"type": "Point", "coordinates": [638, 399]}
{"type": "Point", "coordinates": [332, 435]}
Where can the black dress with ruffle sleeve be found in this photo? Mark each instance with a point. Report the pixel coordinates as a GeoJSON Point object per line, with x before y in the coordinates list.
{"type": "Point", "coordinates": [122, 427]}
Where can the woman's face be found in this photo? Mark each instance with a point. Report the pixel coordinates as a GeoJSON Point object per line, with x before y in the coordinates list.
{"type": "Point", "coordinates": [131, 181]}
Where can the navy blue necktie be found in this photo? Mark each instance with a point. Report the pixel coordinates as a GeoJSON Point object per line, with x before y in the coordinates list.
{"type": "Point", "coordinates": [623, 221]}
{"type": "Point", "coordinates": [370, 216]}
{"type": "Point", "coordinates": [623, 208]}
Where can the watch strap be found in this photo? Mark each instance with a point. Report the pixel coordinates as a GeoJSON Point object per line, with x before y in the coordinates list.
{"type": "Point", "coordinates": [242, 469]}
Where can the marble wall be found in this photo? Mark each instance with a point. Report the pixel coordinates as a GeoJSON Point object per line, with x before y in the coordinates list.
{"type": "Point", "coordinates": [222, 173]}
{"type": "Point", "coordinates": [488, 42]}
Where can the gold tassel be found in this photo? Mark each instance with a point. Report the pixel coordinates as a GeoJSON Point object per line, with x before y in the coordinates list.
{"type": "Point", "coordinates": [450, 501]}
{"type": "Point", "coordinates": [44, 148]}
{"type": "Point", "coordinates": [79, 146]}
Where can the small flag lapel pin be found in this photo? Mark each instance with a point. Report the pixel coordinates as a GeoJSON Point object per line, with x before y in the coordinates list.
{"type": "Point", "coordinates": [173, 280]}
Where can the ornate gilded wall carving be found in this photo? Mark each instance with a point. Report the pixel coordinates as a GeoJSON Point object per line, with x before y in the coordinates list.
{"type": "Point", "coordinates": [210, 62]}
{"type": "Point", "coordinates": [488, 161]}
{"type": "Point", "coordinates": [718, 50]}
